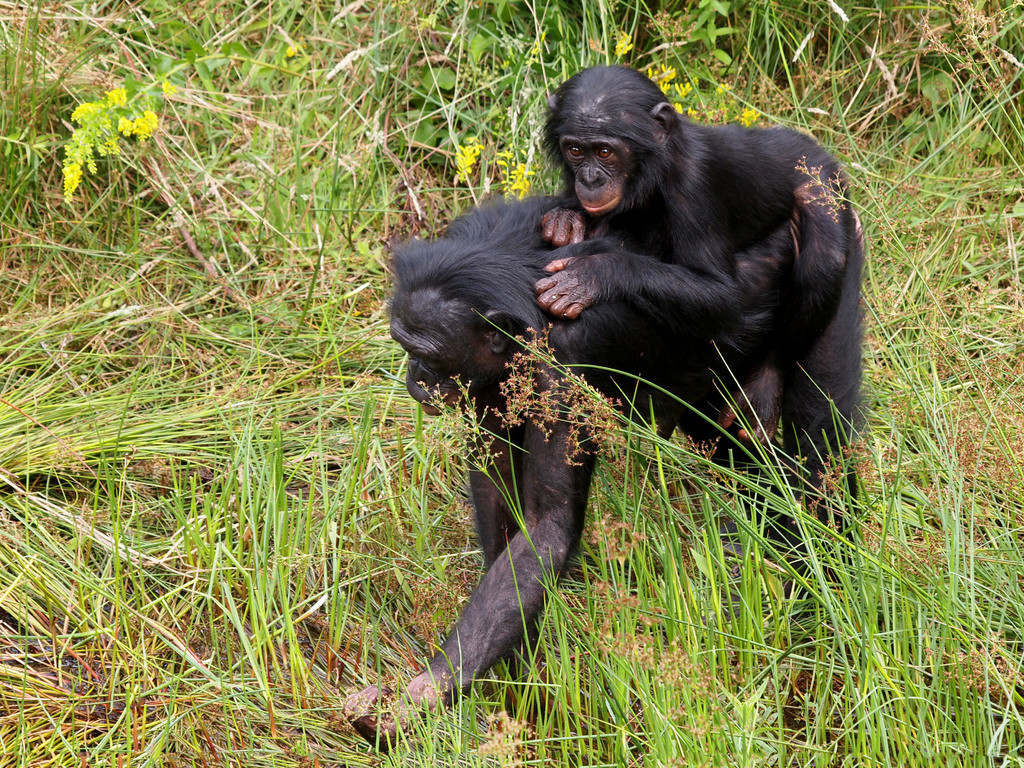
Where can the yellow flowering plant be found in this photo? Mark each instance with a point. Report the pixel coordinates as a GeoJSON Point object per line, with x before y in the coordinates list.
{"type": "Point", "coordinates": [717, 106]}
{"type": "Point", "coordinates": [516, 173]}
{"type": "Point", "coordinates": [466, 155]}
{"type": "Point", "coordinates": [102, 123]}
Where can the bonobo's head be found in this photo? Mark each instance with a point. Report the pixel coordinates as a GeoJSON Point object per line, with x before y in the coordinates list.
{"type": "Point", "coordinates": [609, 127]}
{"type": "Point", "coordinates": [460, 301]}
{"type": "Point", "coordinates": [452, 347]}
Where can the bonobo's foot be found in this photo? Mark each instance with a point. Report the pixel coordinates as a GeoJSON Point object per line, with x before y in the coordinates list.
{"type": "Point", "coordinates": [379, 716]}
{"type": "Point", "coordinates": [758, 405]}
{"type": "Point", "coordinates": [563, 226]}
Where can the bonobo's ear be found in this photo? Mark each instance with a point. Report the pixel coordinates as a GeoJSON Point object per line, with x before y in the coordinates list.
{"type": "Point", "coordinates": [553, 102]}
{"type": "Point", "coordinates": [667, 118]}
{"type": "Point", "coordinates": [499, 332]}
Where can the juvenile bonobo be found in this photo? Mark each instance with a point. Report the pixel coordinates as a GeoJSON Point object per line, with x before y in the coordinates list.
{"type": "Point", "coordinates": [696, 196]}
{"type": "Point", "coordinates": [460, 307]}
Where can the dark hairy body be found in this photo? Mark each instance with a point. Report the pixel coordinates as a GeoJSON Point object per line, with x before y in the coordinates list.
{"type": "Point", "coordinates": [696, 197]}
{"type": "Point", "coordinates": [458, 305]}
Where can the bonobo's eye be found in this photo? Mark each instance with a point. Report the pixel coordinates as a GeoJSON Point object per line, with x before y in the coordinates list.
{"type": "Point", "coordinates": [605, 152]}
{"type": "Point", "coordinates": [574, 151]}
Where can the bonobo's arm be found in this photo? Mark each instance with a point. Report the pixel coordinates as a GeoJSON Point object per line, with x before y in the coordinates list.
{"type": "Point", "coordinates": [685, 300]}
{"type": "Point", "coordinates": [510, 597]}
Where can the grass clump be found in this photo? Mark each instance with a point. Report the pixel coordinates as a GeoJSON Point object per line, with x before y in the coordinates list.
{"type": "Point", "coordinates": [219, 511]}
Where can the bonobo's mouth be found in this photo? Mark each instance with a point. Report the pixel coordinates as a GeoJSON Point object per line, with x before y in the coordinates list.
{"type": "Point", "coordinates": [598, 206]}
{"type": "Point", "coordinates": [431, 397]}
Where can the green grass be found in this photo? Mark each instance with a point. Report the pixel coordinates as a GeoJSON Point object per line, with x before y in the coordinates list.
{"type": "Point", "coordinates": [220, 512]}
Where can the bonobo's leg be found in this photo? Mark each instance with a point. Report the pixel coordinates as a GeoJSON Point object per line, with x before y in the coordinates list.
{"type": "Point", "coordinates": [511, 595]}
{"type": "Point", "coordinates": [761, 271]}
{"type": "Point", "coordinates": [821, 401]}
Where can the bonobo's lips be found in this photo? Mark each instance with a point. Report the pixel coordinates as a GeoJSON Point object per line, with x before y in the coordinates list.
{"type": "Point", "coordinates": [601, 209]}
{"type": "Point", "coordinates": [598, 206]}
{"type": "Point", "coordinates": [446, 392]}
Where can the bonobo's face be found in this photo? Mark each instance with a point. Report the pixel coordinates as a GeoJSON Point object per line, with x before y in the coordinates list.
{"type": "Point", "coordinates": [601, 165]}
{"type": "Point", "coordinates": [452, 349]}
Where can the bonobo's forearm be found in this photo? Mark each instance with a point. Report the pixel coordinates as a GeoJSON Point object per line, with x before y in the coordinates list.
{"type": "Point", "coordinates": [684, 300]}
{"type": "Point", "coordinates": [507, 602]}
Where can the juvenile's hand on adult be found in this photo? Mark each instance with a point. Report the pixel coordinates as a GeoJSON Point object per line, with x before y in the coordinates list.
{"type": "Point", "coordinates": [569, 290]}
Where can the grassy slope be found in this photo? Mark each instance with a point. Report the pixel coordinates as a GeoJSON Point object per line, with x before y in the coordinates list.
{"type": "Point", "coordinates": [219, 511]}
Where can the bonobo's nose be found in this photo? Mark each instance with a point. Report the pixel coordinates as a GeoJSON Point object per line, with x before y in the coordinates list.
{"type": "Point", "coordinates": [591, 179]}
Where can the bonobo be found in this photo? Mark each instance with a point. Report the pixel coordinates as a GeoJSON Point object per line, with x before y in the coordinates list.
{"type": "Point", "coordinates": [695, 196]}
{"type": "Point", "coordinates": [462, 305]}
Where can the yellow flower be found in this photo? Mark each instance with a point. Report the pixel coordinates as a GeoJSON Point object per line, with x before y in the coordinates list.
{"type": "Point", "coordinates": [117, 98]}
{"type": "Point", "coordinates": [110, 146]}
{"type": "Point", "coordinates": [517, 175]}
{"type": "Point", "coordinates": [518, 180]}
{"type": "Point", "coordinates": [169, 89]}
{"type": "Point", "coordinates": [72, 178]}
{"type": "Point", "coordinates": [663, 77]}
{"type": "Point", "coordinates": [749, 116]}
{"type": "Point", "coordinates": [291, 51]}
{"type": "Point", "coordinates": [623, 44]}
{"type": "Point", "coordinates": [124, 125]}
{"type": "Point", "coordinates": [85, 111]}
{"type": "Point", "coordinates": [466, 156]}
{"type": "Point", "coordinates": [536, 45]}
{"type": "Point", "coordinates": [145, 126]}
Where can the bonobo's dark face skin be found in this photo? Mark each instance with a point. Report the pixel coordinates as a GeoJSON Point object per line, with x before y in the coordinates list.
{"type": "Point", "coordinates": [600, 166]}
{"type": "Point", "coordinates": [452, 349]}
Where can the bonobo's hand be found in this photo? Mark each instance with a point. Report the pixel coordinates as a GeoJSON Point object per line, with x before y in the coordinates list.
{"type": "Point", "coordinates": [562, 226]}
{"type": "Point", "coordinates": [569, 290]}
{"type": "Point", "coordinates": [379, 715]}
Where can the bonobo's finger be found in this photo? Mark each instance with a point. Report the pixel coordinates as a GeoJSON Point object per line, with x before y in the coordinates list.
{"type": "Point", "coordinates": [573, 311]}
{"type": "Point", "coordinates": [564, 230]}
{"type": "Point", "coordinates": [547, 300]}
{"type": "Point", "coordinates": [566, 306]}
{"type": "Point", "coordinates": [544, 284]}
{"type": "Point", "coordinates": [548, 295]}
{"type": "Point", "coordinates": [727, 417]}
{"type": "Point", "coordinates": [548, 223]}
{"type": "Point", "coordinates": [557, 265]}
{"type": "Point", "coordinates": [579, 230]}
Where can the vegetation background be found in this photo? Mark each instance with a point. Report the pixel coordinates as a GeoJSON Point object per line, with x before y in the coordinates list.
{"type": "Point", "coordinates": [220, 512]}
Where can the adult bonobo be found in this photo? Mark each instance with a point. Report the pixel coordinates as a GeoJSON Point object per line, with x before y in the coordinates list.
{"type": "Point", "coordinates": [459, 305]}
{"type": "Point", "coordinates": [695, 196]}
